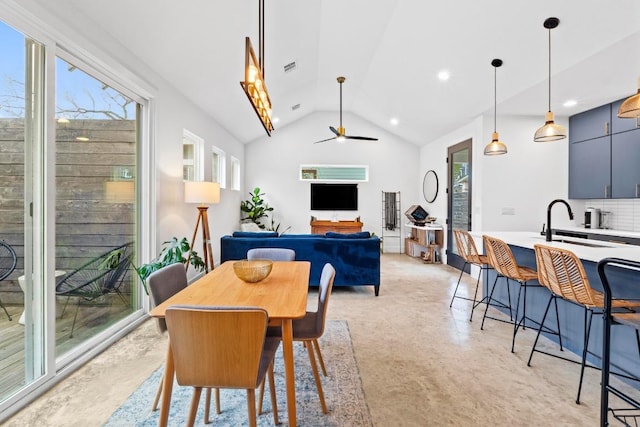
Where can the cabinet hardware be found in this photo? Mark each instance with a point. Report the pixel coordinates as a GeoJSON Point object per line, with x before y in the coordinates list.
{"type": "Point", "coordinates": [606, 128]}
{"type": "Point", "coordinates": [637, 190]}
{"type": "Point", "coordinates": [606, 191]}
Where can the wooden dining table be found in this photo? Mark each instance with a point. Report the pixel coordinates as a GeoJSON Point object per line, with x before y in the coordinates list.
{"type": "Point", "coordinates": [283, 294]}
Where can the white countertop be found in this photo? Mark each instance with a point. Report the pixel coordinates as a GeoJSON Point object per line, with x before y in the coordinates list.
{"type": "Point", "coordinates": [527, 239]}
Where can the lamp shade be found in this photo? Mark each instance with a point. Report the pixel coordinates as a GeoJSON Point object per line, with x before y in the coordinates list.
{"type": "Point", "coordinates": [630, 108]}
{"type": "Point", "coordinates": [495, 147]}
{"type": "Point", "coordinates": [202, 192]}
{"type": "Point", "coordinates": [550, 131]}
{"type": "Point", "coordinates": [119, 191]}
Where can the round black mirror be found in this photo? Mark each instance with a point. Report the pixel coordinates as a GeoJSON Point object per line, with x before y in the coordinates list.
{"type": "Point", "coordinates": [430, 186]}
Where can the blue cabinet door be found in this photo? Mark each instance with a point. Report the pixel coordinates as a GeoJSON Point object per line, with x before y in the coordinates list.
{"type": "Point", "coordinates": [590, 169]}
{"type": "Point", "coordinates": [590, 124]}
{"type": "Point", "coordinates": [625, 164]}
{"type": "Point", "coordinates": [621, 125]}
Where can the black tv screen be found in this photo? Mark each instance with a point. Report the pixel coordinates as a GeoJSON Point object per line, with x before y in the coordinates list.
{"type": "Point", "coordinates": [334, 197]}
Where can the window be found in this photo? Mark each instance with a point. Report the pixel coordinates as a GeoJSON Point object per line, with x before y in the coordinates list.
{"type": "Point", "coordinates": [218, 167]}
{"type": "Point", "coordinates": [235, 174]}
{"type": "Point", "coordinates": [334, 173]}
{"type": "Point", "coordinates": [192, 146]}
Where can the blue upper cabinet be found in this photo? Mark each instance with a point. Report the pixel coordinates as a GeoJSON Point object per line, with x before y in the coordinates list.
{"type": "Point", "coordinates": [590, 124]}
{"type": "Point", "coordinates": [621, 125]}
{"type": "Point", "coordinates": [590, 169]}
{"type": "Point", "coordinates": [625, 158]}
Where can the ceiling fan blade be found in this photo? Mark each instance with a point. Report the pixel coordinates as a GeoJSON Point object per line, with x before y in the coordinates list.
{"type": "Point", "coordinates": [334, 130]}
{"type": "Point", "coordinates": [325, 140]}
{"type": "Point", "coordinates": [362, 138]}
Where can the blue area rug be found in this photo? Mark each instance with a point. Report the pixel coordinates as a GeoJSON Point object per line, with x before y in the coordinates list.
{"type": "Point", "coordinates": [342, 389]}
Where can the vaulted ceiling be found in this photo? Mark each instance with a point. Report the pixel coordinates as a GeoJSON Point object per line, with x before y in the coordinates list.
{"type": "Point", "coordinates": [390, 51]}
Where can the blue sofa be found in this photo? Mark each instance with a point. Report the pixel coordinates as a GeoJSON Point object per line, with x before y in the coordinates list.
{"type": "Point", "coordinates": [356, 257]}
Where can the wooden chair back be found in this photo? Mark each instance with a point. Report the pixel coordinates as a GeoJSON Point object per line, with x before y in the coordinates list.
{"type": "Point", "coordinates": [467, 248]}
{"type": "Point", "coordinates": [217, 346]}
{"type": "Point", "coordinates": [562, 272]}
{"type": "Point", "coordinates": [501, 258]}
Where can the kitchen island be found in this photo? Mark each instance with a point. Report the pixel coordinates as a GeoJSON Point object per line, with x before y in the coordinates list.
{"type": "Point", "coordinates": [624, 284]}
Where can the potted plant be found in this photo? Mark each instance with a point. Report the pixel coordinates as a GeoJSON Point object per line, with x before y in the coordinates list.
{"type": "Point", "coordinates": [255, 207]}
{"type": "Point", "coordinates": [173, 251]}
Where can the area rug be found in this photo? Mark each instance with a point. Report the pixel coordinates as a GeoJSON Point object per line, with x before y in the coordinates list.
{"type": "Point", "coordinates": [342, 389]}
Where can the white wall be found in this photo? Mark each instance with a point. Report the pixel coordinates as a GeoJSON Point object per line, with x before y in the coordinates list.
{"type": "Point", "coordinates": [524, 181]}
{"type": "Point", "coordinates": [273, 165]}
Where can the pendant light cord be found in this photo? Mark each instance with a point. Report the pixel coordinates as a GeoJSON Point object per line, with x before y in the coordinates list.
{"type": "Point", "coordinates": [549, 98]}
{"type": "Point", "coordinates": [495, 97]}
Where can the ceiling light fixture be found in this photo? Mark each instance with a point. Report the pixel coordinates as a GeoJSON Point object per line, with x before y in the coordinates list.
{"type": "Point", "coordinates": [630, 108]}
{"type": "Point", "coordinates": [495, 147]}
{"type": "Point", "coordinates": [550, 131]}
{"type": "Point", "coordinates": [444, 75]}
{"type": "Point", "coordinates": [570, 103]}
{"type": "Point", "coordinates": [253, 84]}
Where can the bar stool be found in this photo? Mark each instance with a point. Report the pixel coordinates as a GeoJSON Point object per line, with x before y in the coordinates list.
{"type": "Point", "coordinates": [467, 250]}
{"type": "Point", "coordinates": [503, 261]}
{"type": "Point", "coordinates": [563, 273]}
{"type": "Point", "coordinates": [630, 414]}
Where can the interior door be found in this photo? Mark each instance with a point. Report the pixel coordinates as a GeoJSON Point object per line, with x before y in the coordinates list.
{"type": "Point", "coordinates": [458, 197]}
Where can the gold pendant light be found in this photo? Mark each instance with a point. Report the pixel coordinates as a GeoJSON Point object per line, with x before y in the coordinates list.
{"type": "Point", "coordinates": [630, 108]}
{"type": "Point", "coordinates": [550, 131]}
{"type": "Point", "coordinates": [495, 147]}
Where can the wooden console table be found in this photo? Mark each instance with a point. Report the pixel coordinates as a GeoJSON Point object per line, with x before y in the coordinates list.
{"type": "Point", "coordinates": [345, 227]}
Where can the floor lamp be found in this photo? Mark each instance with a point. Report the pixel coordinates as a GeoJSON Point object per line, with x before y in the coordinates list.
{"type": "Point", "coordinates": [203, 193]}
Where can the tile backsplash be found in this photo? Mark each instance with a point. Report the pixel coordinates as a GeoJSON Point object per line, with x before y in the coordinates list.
{"type": "Point", "coordinates": [624, 214]}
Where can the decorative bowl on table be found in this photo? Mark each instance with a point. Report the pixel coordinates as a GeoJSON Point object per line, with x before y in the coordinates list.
{"type": "Point", "coordinates": [252, 271]}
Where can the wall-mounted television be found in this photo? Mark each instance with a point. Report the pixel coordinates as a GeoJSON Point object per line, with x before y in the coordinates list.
{"type": "Point", "coordinates": [334, 197]}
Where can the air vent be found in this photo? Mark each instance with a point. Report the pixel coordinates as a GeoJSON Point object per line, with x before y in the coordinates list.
{"type": "Point", "coordinates": [290, 67]}
{"type": "Point", "coordinates": [295, 107]}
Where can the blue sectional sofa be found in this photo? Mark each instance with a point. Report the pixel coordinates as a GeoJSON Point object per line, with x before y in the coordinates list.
{"type": "Point", "coordinates": [356, 257]}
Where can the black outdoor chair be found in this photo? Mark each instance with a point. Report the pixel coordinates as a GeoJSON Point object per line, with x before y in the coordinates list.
{"type": "Point", "coordinates": [8, 261]}
{"type": "Point", "coordinates": [100, 276]}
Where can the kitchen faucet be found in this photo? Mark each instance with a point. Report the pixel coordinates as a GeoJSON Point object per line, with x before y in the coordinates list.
{"type": "Point", "coordinates": [548, 235]}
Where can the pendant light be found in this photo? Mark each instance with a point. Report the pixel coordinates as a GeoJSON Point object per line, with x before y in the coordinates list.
{"type": "Point", "coordinates": [630, 108]}
{"type": "Point", "coordinates": [550, 131]}
{"type": "Point", "coordinates": [495, 147]}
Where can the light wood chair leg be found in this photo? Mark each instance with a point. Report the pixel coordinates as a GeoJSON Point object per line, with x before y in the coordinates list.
{"type": "Point", "coordinates": [251, 406]}
{"type": "Point", "coordinates": [207, 405]}
{"type": "Point", "coordinates": [197, 391]}
{"type": "Point", "coordinates": [316, 375]}
{"type": "Point", "coordinates": [260, 397]}
{"type": "Point", "coordinates": [216, 395]}
{"type": "Point", "coordinates": [272, 391]}
{"type": "Point", "coordinates": [316, 345]}
{"type": "Point", "coordinates": [158, 394]}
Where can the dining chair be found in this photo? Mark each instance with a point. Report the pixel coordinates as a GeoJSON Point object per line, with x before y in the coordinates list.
{"type": "Point", "coordinates": [309, 328]}
{"type": "Point", "coordinates": [163, 284]}
{"type": "Point", "coordinates": [469, 253]}
{"type": "Point", "coordinates": [222, 347]}
{"type": "Point", "coordinates": [504, 263]}
{"type": "Point", "coordinates": [274, 254]}
{"type": "Point", "coordinates": [563, 273]}
{"type": "Point", "coordinates": [8, 261]}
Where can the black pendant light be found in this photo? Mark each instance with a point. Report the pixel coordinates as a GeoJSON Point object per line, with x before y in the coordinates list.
{"type": "Point", "coordinates": [550, 131]}
{"type": "Point", "coordinates": [495, 147]}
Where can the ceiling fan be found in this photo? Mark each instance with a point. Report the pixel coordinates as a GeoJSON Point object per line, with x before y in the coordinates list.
{"type": "Point", "coordinates": [340, 132]}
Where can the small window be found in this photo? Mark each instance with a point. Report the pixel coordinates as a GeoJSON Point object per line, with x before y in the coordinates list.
{"type": "Point", "coordinates": [192, 146]}
{"type": "Point", "coordinates": [235, 174]}
{"type": "Point", "coordinates": [218, 167]}
{"type": "Point", "coordinates": [334, 173]}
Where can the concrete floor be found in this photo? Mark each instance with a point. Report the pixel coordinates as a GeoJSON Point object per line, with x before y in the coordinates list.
{"type": "Point", "coordinates": [421, 362]}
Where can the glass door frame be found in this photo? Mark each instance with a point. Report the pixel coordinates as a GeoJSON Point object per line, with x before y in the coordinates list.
{"type": "Point", "coordinates": [453, 259]}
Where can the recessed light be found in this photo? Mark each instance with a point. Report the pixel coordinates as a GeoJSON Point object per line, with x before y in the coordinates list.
{"type": "Point", "coordinates": [394, 121]}
{"type": "Point", "coordinates": [275, 120]}
{"type": "Point", "coordinates": [570, 103]}
{"type": "Point", "coordinates": [82, 138]}
{"type": "Point", "coordinates": [444, 75]}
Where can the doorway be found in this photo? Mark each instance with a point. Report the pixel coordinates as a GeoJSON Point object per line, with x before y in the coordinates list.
{"type": "Point", "coordinates": [458, 197]}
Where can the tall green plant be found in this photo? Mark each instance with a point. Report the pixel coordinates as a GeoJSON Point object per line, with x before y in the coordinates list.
{"type": "Point", "coordinates": [255, 208]}
{"type": "Point", "coordinates": [173, 251]}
